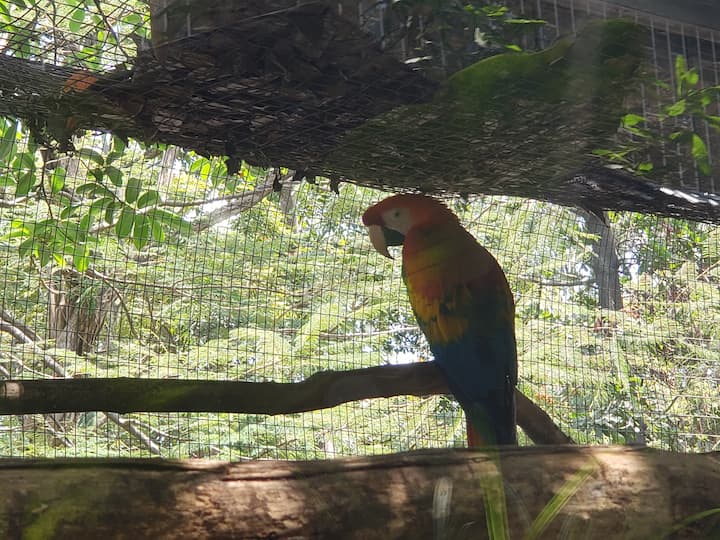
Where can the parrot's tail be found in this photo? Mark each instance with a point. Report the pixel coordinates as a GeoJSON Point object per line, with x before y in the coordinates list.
{"type": "Point", "coordinates": [484, 429]}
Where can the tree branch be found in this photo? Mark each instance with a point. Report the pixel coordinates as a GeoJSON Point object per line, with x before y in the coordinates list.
{"type": "Point", "coordinates": [240, 203]}
{"type": "Point", "coordinates": [321, 390]}
{"type": "Point", "coordinates": [59, 370]}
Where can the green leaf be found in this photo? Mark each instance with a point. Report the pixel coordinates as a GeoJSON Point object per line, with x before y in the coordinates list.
{"type": "Point", "coordinates": [700, 153]}
{"type": "Point", "coordinates": [690, 520]}
{"type": "Point", "coordinates": [24, 160]}
{"type": "Point", "coordinates": [76, 20]}
{"type": "Point", "coordinates": [97, 173]}
{"type": "Point", "coordinates": [8, 142]}
{"type": "Point", "coordinates": [27, 248]}
{"type": "Point", "coordinates": [88, 189]}
{"type": "Point", "coordinates": [714, 121]}
{"type": "Point", "coordinates": [68, 231]}
{"type": "Point", "coordinates": [132, 19]}
{"type": "Point", "coordinates": [20, 229]}
{"type": "Point", "coordinates": [69, 210]}
{"type": "Point", "coordinates": [149, 198]}
{"type": "Point", "coordinates": [683, 136]}
{"type": "Point", "coordinates": [25, 184]}
{"type": "Point", "coordinates": [118, 145]}
{"type": "Point", "coordinates": [115, 175]}
{"type": "Point", "coordinates": [101, 204]}
{"type": "Point", "coordinates": [680, 69]}
{"type": "Point", "coordinates": [560, 500]}
{"type": "Point", "coordinates": [110, 211]}
{"type": "Point", "coordinates": [676, 109]}
{"type": "Point", "coordinates": [81, 258]}
{"type": "Point", "coordinates": [198, 164]}
{"type": "Point", "coordinates": [537, 22]}
{"type": "Point", "coordinates": [57, 181]}
{"type": "Point", "coordinates": [44, 254]}
{"type": "Point", "coordinates": [630, 120]}
{"type": "Point", "coordinates": [141, 231]}
{"type": "Point", "coordinates": [125, 222]}
{"type": "Point", "coordinates": [85, 223]}
{"type": "Point", "coordinates": [91, 155]}
{"type": "Point", "coordinates": [158, 234]}
{"type": "Point", "coordinates": [172, 221]}
{"type": "Point", "coordinates": [132, 190]}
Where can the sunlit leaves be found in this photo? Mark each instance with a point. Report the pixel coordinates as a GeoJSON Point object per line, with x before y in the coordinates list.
{"type": "Point", "coordinates": [8, 138]}
{"type": "Point", "coordinates": [213, 171]}
{"type": "Point", "coordinates": [172, 221]}
{"type": "Point", "coordinates": [57, 179]}
{"type": "Point", "coordinates": [688, 110]}
{"type": "Point", "coordinates": [77, 17]}
{"type": "Point", "coordinates": [142, 227]}
{"type": "Point", "coordinates": [125, 222]}
{"type": "Point", "coordinates": [25, 183]}
{"type": "Point", "coordinates": [132, 190]}
{"type": "Point", "coordinates": [149, 198]}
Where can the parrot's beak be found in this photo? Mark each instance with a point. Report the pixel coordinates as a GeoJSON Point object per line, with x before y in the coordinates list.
{"type": "Point", "coordinates": [377, 239]}
{"type": "Point", "coordinates": [382, 237]}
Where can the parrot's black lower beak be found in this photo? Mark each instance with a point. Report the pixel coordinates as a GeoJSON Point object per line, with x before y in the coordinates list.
{"type": "Point", "coordinates": [392, 237]}
{"type": "Point", "coordinates": [382, 237]}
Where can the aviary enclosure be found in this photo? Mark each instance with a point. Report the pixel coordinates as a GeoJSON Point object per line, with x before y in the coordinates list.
{"type": "Point", "coordinates": [187, 276]}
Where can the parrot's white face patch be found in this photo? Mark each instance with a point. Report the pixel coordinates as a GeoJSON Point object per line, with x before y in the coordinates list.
{"type": "Point", "coordinates": [398, 219]}
{"type": "Point", "coordinates": [377, 239]}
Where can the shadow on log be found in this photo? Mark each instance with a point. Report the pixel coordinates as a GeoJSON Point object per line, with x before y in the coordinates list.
{"type": "Point", "coordinates": [627, 493]}
{"type": "Point", "coordinates": [322, 390]}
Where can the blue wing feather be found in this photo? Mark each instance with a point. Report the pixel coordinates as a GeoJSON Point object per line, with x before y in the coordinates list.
{"type": "Point", "coordinates": [480, 364]}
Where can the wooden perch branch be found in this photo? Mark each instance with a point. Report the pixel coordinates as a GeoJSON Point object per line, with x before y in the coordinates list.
{"type": "Point", "coordinates": [628, 493]}
{"type": "Point", "coordinates": [320, 391]}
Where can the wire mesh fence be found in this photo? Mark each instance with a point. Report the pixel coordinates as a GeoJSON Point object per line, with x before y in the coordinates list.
{"type": "Point", "coordinates": [135, 260]}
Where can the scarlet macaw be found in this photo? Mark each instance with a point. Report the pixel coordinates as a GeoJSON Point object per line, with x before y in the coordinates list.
{"type": "Point", "coordinates": [463, 304]}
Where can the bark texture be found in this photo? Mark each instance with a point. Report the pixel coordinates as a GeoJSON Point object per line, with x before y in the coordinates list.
{"type": "Point", "coordinates": [627, 493]}
{"type": "Point", "coordinates": [322, 390]}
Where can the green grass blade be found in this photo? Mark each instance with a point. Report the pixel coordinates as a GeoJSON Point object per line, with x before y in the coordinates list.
{"type": "Point", "coordinates": [558, 502]}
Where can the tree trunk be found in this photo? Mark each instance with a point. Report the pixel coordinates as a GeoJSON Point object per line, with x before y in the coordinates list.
{"type": "Point", "coordinates": [627, 493]}
{"type": "Point", "coordinates": [605, 263]}
{"type": "Point", "coordinates": [78, 312]}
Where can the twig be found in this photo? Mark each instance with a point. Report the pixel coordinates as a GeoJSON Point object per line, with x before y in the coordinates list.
{"type": "Point", "coordinates": [10, 318]}
{"type": "Point", "coordinates": [18, 334]}
{"type": "Point", "coordinates": [128, 426]}
{"type": "Point", "coordinates": [241, 203]}
{"type": "Point", "coordinates": [111, 29]}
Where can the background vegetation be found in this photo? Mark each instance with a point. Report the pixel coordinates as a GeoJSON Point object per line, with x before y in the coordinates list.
{"type": "Point", "coordinates": [124, 260]}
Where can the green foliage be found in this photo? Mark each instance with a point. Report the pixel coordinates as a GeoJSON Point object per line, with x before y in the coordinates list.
{"type": "Point", "coordinates": [686, 111]}
{"type": "Point", "coordinates": [107, 199]}
{"type": "Point", "coordinates": [41, 29]}
{"type": "Point", "coordinates": [459, 31]}
{"type": "Point", "coordinates": [291, 286]}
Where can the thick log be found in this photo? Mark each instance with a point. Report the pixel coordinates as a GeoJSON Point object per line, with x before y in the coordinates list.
{"type": "Point", "coordinates": [602, 493]}
{"type": "Point", "coordinates": [319, 391]}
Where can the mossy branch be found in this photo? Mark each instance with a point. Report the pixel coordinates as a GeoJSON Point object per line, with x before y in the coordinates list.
{"type": "Point", "coordinates": [321, 390]}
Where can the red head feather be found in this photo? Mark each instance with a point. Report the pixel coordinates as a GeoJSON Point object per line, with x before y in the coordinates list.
{"type": "Point", "coordinates": [421, 208]}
